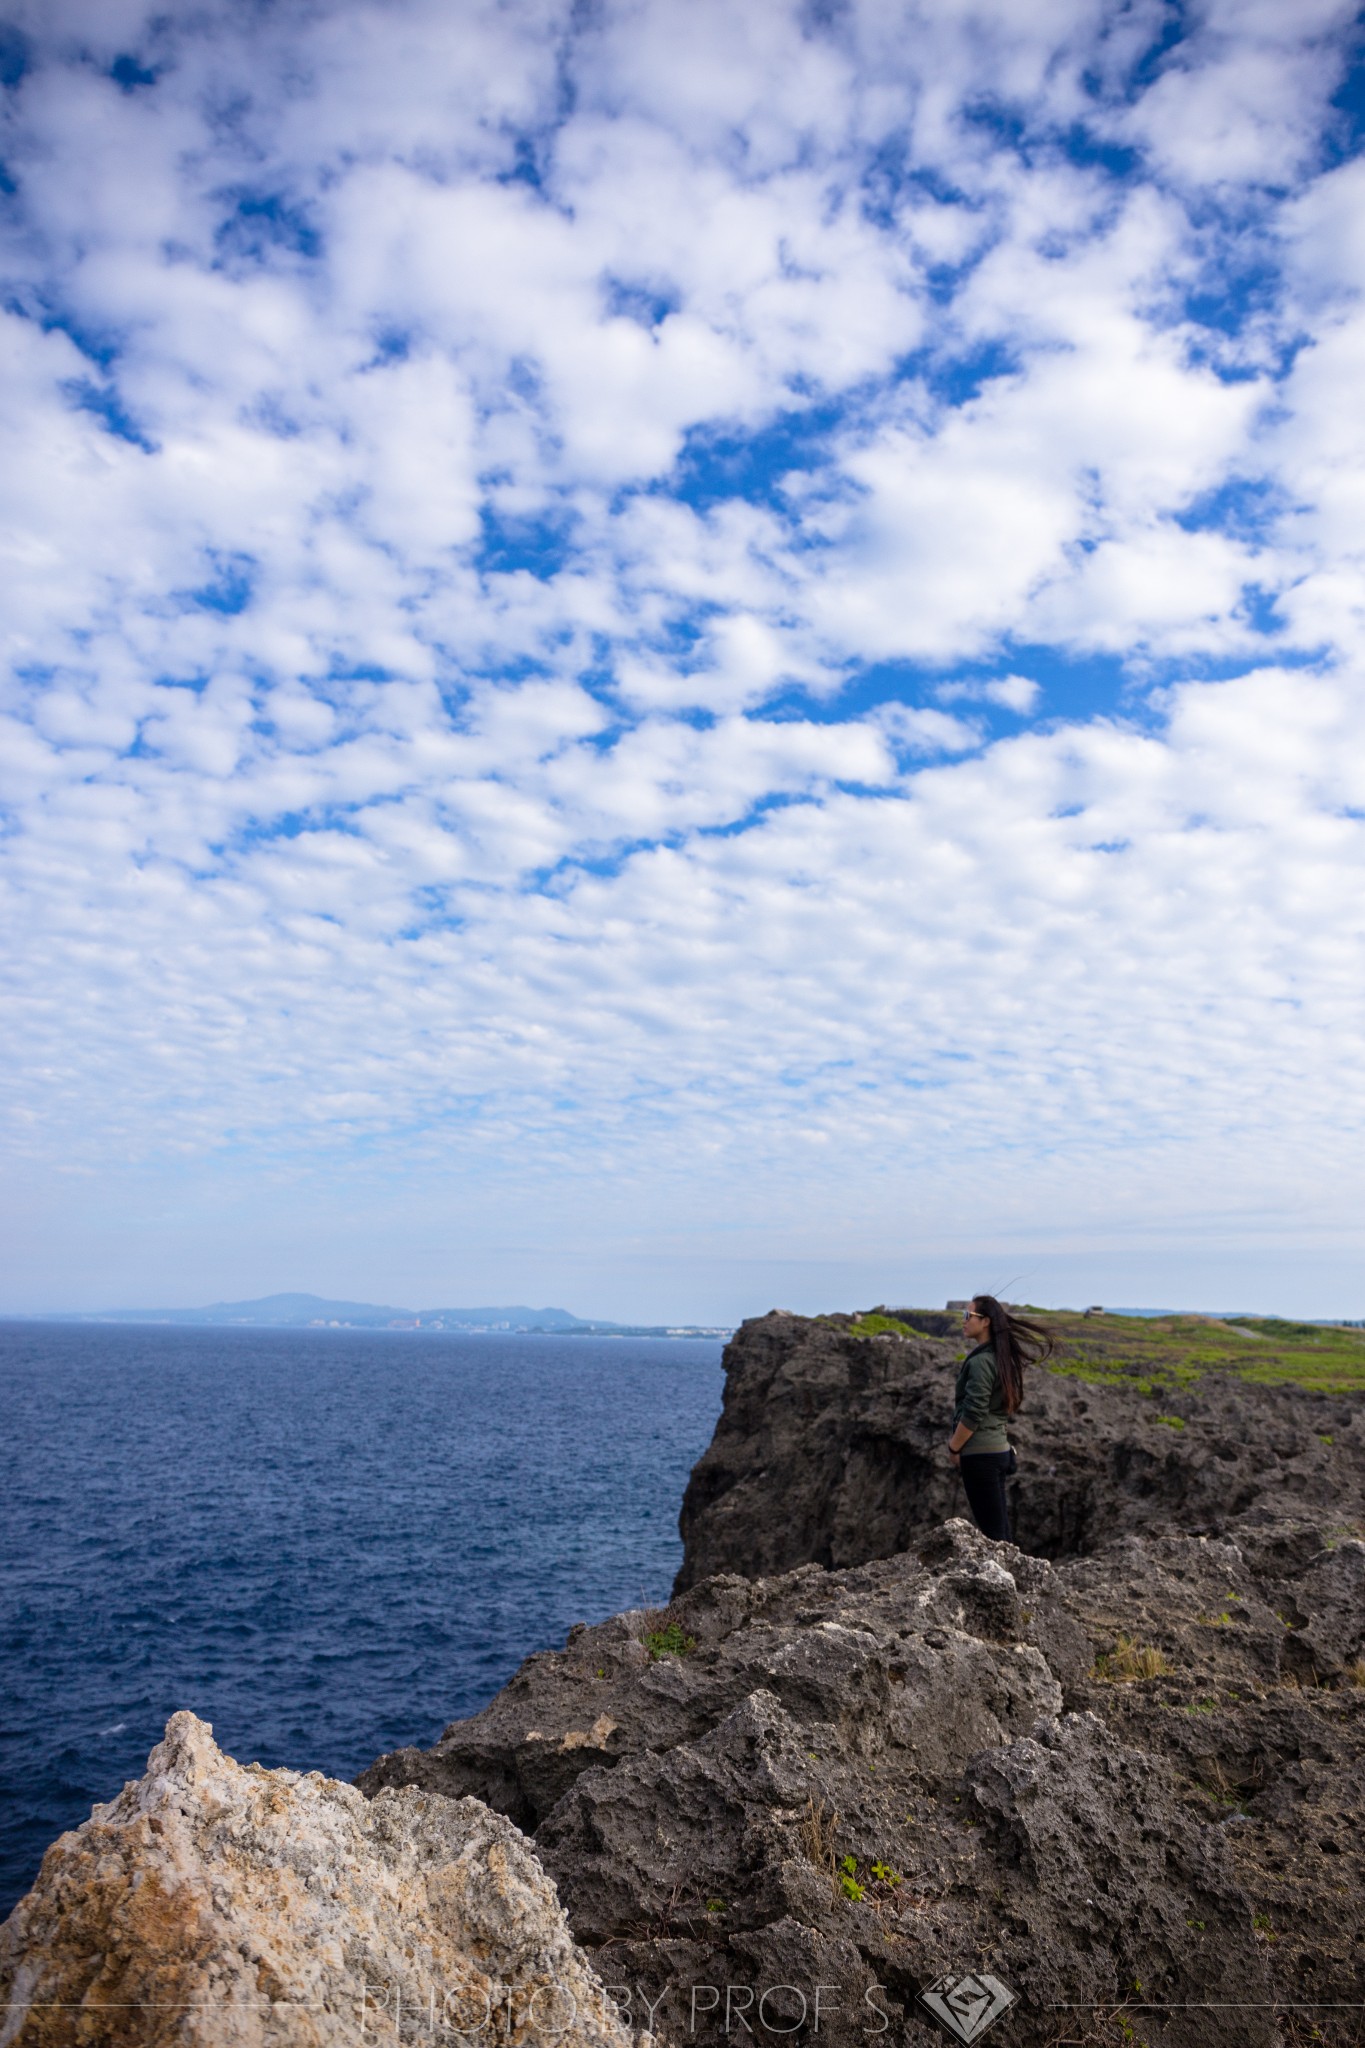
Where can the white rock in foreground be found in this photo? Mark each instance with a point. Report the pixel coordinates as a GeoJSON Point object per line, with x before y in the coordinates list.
{"type": "Point", "coordinates": [213, 1906]}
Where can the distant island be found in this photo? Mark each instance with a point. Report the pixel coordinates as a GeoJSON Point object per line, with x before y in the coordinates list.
{"type": "Point", "coordinates": [315, 1312]}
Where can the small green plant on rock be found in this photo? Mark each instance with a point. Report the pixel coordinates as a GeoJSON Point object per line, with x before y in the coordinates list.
{"type": "Point", "coordinates": [848, 1879]}
{"type": "Point", "coordinates": [668, 1641]}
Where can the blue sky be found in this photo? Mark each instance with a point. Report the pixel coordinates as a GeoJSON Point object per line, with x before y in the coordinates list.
{"type": "Point", "coordinates": [672, 658]}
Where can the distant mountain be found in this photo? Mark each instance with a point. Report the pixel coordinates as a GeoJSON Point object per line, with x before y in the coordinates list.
{"type": "Point", "coordinates": [314, 1311]}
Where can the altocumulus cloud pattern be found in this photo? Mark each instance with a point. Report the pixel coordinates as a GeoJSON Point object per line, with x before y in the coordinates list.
{"type": "Point", "coordinates": [722, 626]}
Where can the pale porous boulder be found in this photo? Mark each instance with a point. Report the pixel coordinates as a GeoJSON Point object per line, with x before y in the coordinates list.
{"type": "Point", "coordinates": [213, 1906]}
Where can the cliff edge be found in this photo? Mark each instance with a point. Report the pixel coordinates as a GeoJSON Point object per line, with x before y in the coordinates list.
{"type": "Point", "coordinates": [1115, 1771]}
{"type": "Point", "coordinates": [830, 1448]}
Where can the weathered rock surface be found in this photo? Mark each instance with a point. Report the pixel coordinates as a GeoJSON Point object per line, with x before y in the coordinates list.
{"type": "Point", "coordinates": [221, 1907]}
{"type": "Point", "coordinates": [830, 1449]}
{"type": "Point", "coordinates": [1179, 1853]}
{"type": "Point", "coordinates": [1197, 1833]}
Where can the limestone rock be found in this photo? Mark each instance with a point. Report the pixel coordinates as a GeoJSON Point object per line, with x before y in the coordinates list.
{"type": "Point", "coordinates": [1331, 1598]}
{"type": "Point", "coordinates": [219, 1907]}
{"type": "Point", "coordinates": [946, 1719]}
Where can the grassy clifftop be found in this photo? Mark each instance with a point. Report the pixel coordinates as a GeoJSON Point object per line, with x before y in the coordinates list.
{"type": "Point", "coordinates": [1152, 1354]}
{"type": "Point", "coordinates": [1176, 1351]}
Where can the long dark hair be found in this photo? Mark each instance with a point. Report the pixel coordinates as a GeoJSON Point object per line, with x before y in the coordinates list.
{"type": "Point", "coordinates": [1016, 1344]}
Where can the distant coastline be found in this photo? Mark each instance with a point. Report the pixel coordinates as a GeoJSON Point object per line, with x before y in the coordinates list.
{"type": "Point", "coordinates": [317, 1312]}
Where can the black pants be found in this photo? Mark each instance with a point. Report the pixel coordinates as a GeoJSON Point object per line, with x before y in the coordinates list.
{"type": "Point", "coordinates": [983, 1476]}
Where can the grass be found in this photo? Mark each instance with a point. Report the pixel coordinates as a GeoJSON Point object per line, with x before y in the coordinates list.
{"type": "Point", "coordinates": [1163, 1354]}
{"type": "Point", "coordinates": [873, 1325]}
{"type": "Point", "coordinates": [818, 1826]}
{"type": "Point", "coordinates": [1129, 1660]}
{"type": "Point", "coordinates": [876, 1883]}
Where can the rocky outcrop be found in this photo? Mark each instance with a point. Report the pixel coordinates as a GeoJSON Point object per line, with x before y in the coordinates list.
{"type": "Point", "coordinates": [830, 1449]}
{"type": "Point", "coordinates": [1116, 1769]}
{"type": "Point", "coordinates": [950, 1760]}
{"type": "Point", "coordinates": [219, 1907]}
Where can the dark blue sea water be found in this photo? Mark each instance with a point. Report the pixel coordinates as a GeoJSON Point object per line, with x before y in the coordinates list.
{"type": "Point", "coordinates": [327, 1543]}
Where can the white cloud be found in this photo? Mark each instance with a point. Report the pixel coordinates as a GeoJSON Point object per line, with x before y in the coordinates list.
{"type": "Point", "coordinates": [433, 500]}
{"type": "Point", "coordinates": [1013, 693]}
{"type": "Point", "coordinates": [1243, 100]}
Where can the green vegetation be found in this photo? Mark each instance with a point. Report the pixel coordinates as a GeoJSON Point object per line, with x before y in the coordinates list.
{"type": "Point", "coordinates": [878, 1326]}
{"type": "Point", "coordinates": [879, 1878]}
{"type": "Point", "coordinates": [1163, 1354]}
{"type": "Point", "coordinates": [668, 1641]}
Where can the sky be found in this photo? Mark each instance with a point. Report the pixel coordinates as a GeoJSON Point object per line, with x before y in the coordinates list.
{"type": "Point", "coordinates": [676, 658]}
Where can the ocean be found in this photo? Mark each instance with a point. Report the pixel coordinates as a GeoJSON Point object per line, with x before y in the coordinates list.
{"type": "Point", "coordinates": [327, 1543]}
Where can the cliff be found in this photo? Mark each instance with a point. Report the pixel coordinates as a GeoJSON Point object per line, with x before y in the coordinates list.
{"type": "Point", "coordinates": [830, 1444]}
{"type": "Point", "coordinates": [1118, 1768]}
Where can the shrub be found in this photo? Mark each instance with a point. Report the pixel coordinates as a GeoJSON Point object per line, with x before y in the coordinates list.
{"type": "Point", "coordinates": [668, 1641]}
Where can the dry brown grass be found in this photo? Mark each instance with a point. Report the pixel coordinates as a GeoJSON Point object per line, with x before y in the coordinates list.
{"type": "Point", "coordinates": [818, 1825]}
{"type": "Point", "coordinates": [1129, 1660]}
{"type": "Point", "coordinates": [1354, 1674]}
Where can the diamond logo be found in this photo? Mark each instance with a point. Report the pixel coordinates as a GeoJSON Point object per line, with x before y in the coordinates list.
{"type": "Point", "coordinates": [965, 2006]}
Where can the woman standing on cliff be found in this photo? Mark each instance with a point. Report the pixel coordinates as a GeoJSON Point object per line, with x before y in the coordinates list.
{"type": "Point", "coordinates": [990, 1386]}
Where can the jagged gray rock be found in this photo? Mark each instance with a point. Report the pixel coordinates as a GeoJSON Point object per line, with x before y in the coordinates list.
{"type": "Point", "coordinates": [221, 1907]}
{"type": "Point", "coordinates": [939, 1717]}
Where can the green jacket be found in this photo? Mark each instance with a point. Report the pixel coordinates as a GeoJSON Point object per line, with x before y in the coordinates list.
{"type": "Point", "coordinates": [980, 1402]}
